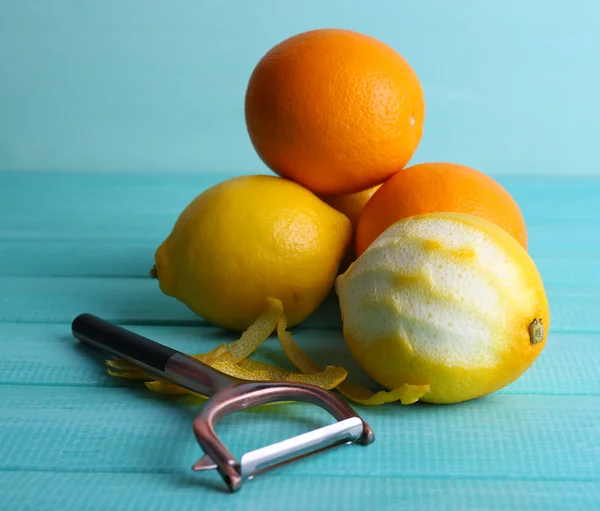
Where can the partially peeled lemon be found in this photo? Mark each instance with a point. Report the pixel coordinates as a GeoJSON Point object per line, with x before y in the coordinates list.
{"type": "Point", "coordinates": [447, 300]}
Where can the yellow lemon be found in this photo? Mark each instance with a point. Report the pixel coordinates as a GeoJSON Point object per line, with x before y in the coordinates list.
{"type": "Point", "coordinates": [248, 239]}
{"type": "Point", "coordinates": [448, 300]}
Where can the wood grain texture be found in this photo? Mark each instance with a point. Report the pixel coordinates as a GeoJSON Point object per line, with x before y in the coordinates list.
{"type": "Point", "coordinates": [74, 437]}
{"type": "Point", "coordinates": [562, 216]}
{"type": "Point", "coordinates": [128, 300]}
{"type": "Point", "coordinates": [169, 492]}
{"type": "Point", "coordinates": [573, 308]}
{"type": "Point", "coordinates": [564, 241]}
{"type": "Point", "coordinates": [126, 430]}
{"type": "Point", "coordinates": [167, 193]}
{"type": "Point", "coordinates": [110, 258]}
{"type": "Point", "coordinates": [46, 354]}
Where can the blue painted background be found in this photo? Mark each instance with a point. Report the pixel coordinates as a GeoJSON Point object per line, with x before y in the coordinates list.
{"type": "Point", "coordinates": [511, 86]}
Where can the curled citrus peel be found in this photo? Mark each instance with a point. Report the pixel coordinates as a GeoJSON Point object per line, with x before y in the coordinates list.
{"type": "Point", "coordinates": [233, 360]}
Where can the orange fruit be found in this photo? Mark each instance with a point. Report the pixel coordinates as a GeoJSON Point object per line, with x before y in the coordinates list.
{"type": "Point", "coordinates": [438, 187]}
{"type": "Point", "coordinates": [334, 110]}
{"type": "Point", "coordinates": [350, 204]}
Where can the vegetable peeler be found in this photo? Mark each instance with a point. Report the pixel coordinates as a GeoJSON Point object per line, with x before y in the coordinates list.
{"type": "Point", "coordinates": [227, 395]}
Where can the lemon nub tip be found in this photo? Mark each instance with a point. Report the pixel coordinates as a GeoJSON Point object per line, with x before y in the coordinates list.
{"type": "Point", "coordinates": [153, 272]}
{"type": "Point", "coordinates": [536, 331]}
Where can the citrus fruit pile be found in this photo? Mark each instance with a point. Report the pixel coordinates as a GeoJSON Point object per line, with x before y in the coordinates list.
{"type": "Point", "coordinates": [439, 298]}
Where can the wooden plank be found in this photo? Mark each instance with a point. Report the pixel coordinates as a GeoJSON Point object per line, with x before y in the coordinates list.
{"type": "Point", "coordinates": [271, 492]}
{"type": "Point", "coordinates": [574, 308]}
{"type": "Point", "coordinates": [94, 258]}
{"type": "Point", "coordinates": [542, 199]}
{"type": "Point", "coordinates": [72, 258]}
{"type": "Point", "coordinates": [73, 435]}
{"type": "Point", "coordinates": [126, 430]}
{"type": "Point", "coordinates": [88, 226]}
{"type": "Point", "coordinates": [46, 354]}
{"type": "Point", "coordinates": [127, 300]}
{"type": "Point", "coordinates": [143, 224]}
{"type": "Point", "coordinates": [562, 214]}
{"type": "Point", "coordinates": [568, 242]}
{"type": "Point", "coordinates": [77, 192]}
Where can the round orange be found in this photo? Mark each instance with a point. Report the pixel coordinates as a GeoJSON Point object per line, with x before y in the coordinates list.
{"type": "Point", "coordinates": [334, 110]}
{"type": "Point", "coordinates": [350, 204]}
{"type": "Point", "coordinates": [438, 188]}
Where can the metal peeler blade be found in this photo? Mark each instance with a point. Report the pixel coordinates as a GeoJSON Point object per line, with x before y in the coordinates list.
{"type": "Point", "coordinates": [228, 395]}
{"type": "Point", "coordinates": [281, 453]}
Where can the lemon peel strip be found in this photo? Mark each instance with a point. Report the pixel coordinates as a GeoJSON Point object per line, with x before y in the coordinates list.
{"type": "Point", "coordinates": [328, 379]}
{"type": "Point", "coordinates": [407, 394]}
{"type": "Point", "coordinates": [124, 369]}
{"type": "Point", "coordinates": [226, 364]}
{"type": "Point", "coordinates": [275, 372]}
{"type": "Point", "coordinates": [122, 365]}
{"type": "Point", "coordinates": [300, 359]}
{"type": "Point", "coordinates": [233, 360]}
{"type": "Point", "coordinates": [129, 375]}
{"type": "Point", "coordinates": [257, 332]}
{"type": "Point", "coordinates": [166, 387]}
{"type": "Point", "coordinates": [211, 356]}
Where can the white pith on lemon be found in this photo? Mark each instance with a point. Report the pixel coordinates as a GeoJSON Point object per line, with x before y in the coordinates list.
{"type": "Point", "coordinates": [444, 299]}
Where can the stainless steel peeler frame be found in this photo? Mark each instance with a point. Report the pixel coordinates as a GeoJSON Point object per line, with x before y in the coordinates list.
{"type": "Point", "coordinates": [228, 395]}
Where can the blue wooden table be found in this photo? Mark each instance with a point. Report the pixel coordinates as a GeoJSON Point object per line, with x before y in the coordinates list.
{"type": "Point", "coordinates": [72, 437]}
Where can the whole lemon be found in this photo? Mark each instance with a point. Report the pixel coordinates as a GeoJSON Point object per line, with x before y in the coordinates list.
{"type": "Point", "coordinates": [446, 299]}
{"type": "Point", "coordinates": [248, 239]}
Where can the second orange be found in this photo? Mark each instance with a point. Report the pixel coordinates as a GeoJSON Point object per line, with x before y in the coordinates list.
{"type": "Point", "coordinates": [435, 188]}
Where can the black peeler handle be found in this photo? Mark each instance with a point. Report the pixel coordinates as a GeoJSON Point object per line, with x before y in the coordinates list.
{"type": "Point", "coordinates": [121, 342]}
{"type": "Point", "coordinates": [154, 358]}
